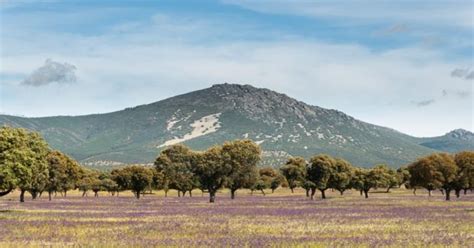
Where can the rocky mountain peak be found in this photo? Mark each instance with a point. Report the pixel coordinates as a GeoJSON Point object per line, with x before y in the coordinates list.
{"type": "Point", "coordinates": [261, 101]}
{"type": "Point", "coordinates": [461, 134]}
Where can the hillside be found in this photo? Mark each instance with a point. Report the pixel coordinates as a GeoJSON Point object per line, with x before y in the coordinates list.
{"type": "Point", "coordinates": [453, 141]}
{"type": "Point", "coordinates": [282, 125]}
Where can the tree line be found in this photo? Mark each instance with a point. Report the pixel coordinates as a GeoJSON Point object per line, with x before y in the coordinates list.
{"type": "Point", "coordinates": [28, 164]}
{"type": "Point", "coordinates": [441, 171]}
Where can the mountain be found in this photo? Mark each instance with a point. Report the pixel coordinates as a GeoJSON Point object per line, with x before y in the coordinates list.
{"type": "Point", "coordinates": [282, 125]}
{"type": "Point", "coordinates": [453, 141]}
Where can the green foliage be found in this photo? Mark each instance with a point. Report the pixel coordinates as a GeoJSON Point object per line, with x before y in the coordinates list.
{"type": "Point", "coordinates": [437, 170]}
{"type": "Point", "coordinates": [109, 185]}
{"type": "Point", "coordinates": [84, 184]}
{"type": "Point", "coordinates": [270, 178]}
{"type": "Point", "coordinates": [403, 176]}
{"type": "Point", "coordinates": [465, 173]}
{"type": "Point", "coordinates": [294, 172]}
{"type": "Point", "coordinates": [366, 179]}
{"type": "Point", "coordinates": [158, 179]}
{"type": "Point", "coordinates": [242, 156]}
{"type": "Point", "coordinates": [342, 175]}
{"type": "Point", "coordinates": [211, 170]}
{"type": "Point", "coordinates": [64, 172]}
{"type": "Point", "coordinates": [27, 163]}
{"type": "Point", "coordinates": [175, 164]}
{"type": "Point", "coordinates": [320, 171]}
{"type": "Point", "coordinates": [388, 177]}
{"type": "Point", "coordinates": [23, 161]}
{"type": "Point", "coordinates": [133, 177]}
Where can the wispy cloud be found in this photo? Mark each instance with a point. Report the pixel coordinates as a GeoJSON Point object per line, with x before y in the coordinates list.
{"type": "Point", "coordinates": [423, 103]}
{"type": "Point", "coordinates": [434, 12]}
{"type": "Point", "coordinates": [51, 72]}
{"type": "Point", "coordinates": [470, 76]}
{"type": "Point", "coordinates": [463, 93]}
{"type": "Point", "coordinates": [394, 29]}
{"type": "Point", "coordinates": [457, 93]}
{"type": "Point", "coordinates": [463, 73]}
{"type": "Point", "coordinates": [459, 72]}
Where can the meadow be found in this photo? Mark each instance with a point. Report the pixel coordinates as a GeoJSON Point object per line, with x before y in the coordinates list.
{"type": "Point", "coordinates": [396, 219]}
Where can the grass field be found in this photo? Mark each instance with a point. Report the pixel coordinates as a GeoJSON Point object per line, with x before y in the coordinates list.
{"type": "Point", "coordinates": [396, 219]}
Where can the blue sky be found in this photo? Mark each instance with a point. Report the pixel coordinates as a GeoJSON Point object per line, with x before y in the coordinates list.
{"type": "Point", "coordinates": [407, 65]}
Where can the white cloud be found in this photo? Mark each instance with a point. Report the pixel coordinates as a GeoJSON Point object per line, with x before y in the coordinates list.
{"type": "Point", "coordinates": [141, 62]}
{"type": "Point", "coordinates": [51, 72]}
{"type": "Point", "coordinates": [433, 13]}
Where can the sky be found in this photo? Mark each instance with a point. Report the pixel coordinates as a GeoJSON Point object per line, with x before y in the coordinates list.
{"type": "Point", "coordinates": [407, 65]}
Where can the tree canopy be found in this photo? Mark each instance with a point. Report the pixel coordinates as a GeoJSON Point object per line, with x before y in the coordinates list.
{"type": "Point", "coordinates": [242, 156]}
{"type": "Point", "coordinates": [294, 172]}
{"type": "Point", "coordinates": [133, 177]}
{"type": "Point", "coordinates": [438, 170]}
{"type": "Point", "coordinates": [23, 161]}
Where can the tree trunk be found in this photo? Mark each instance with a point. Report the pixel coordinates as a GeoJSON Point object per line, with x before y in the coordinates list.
{"type": "Point", "coordinates": [313, 191]}
{"type": "Point", "coordinates": [49, 195]}
{"type": "Point", "coordinates": [307, 192]}
{"type": "Point", "coordinates": [166, 193]}
{"type": "Point", "coordinates": [190, 193]}
{"type": "Point", "coordinates": [96, 193]}
{"type": "Point", "coordinates": [465, 191]}
{"type": "Point", "coordinates": [3, 193]}
{"type": "Point", "coordinates": [212, 196]}
{"type": "Point", "coordinates": [429, 192]}
{"type": "Point", "coordinates": [442, 191]}
{"type": "Point", "coordinates": [361, 192]}
{"type": "Point", "coordinates": [388, 190]}
{"type": "Point", "coordinates": [292, 190]}
{"type": "Point", "coordinates": [366, 193]}
{"type": "Point", "coordinates": [65, 193]}
{"type": "Point", "coordinates": [138, 195]}
{"type": "Point", "coordinates": [84, 193]}
{"type": "Point", "coordinates": [414, 191]}
{"type": "Point", "coordinates": [457, 192]}
{"type": "Point", "coordinates": [34, 194]}
{"type": "Point", "coordinates": [232, 194]}
{"type": "Point", "coordinates": [184, 193]}
{"type": "Point", "coordinates": [179, 193]}
{"type": "Point", "coordinates": [263, 192]}
{"type": "Point", "coordinates": [341, 192]}
{"type": "Point", "coordinates": [448, 192]}
{"type": "Point", "coordinates": [273, 191]}
{"type": "Point", "coordinates": [22, 195]}
{"type": "Point", "coordinates": [323, 194]}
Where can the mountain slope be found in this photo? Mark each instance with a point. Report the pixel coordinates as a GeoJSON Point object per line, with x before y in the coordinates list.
{"type": "Point", "coordinates": [282, 125]}
{"type": "Point", "coordinates": [453, 141]}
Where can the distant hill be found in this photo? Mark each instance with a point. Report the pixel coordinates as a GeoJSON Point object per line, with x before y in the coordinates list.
{"type": "Point", "coordinates": [282, 125]}
{"type": "Point", "coordinates": [453, 141]}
